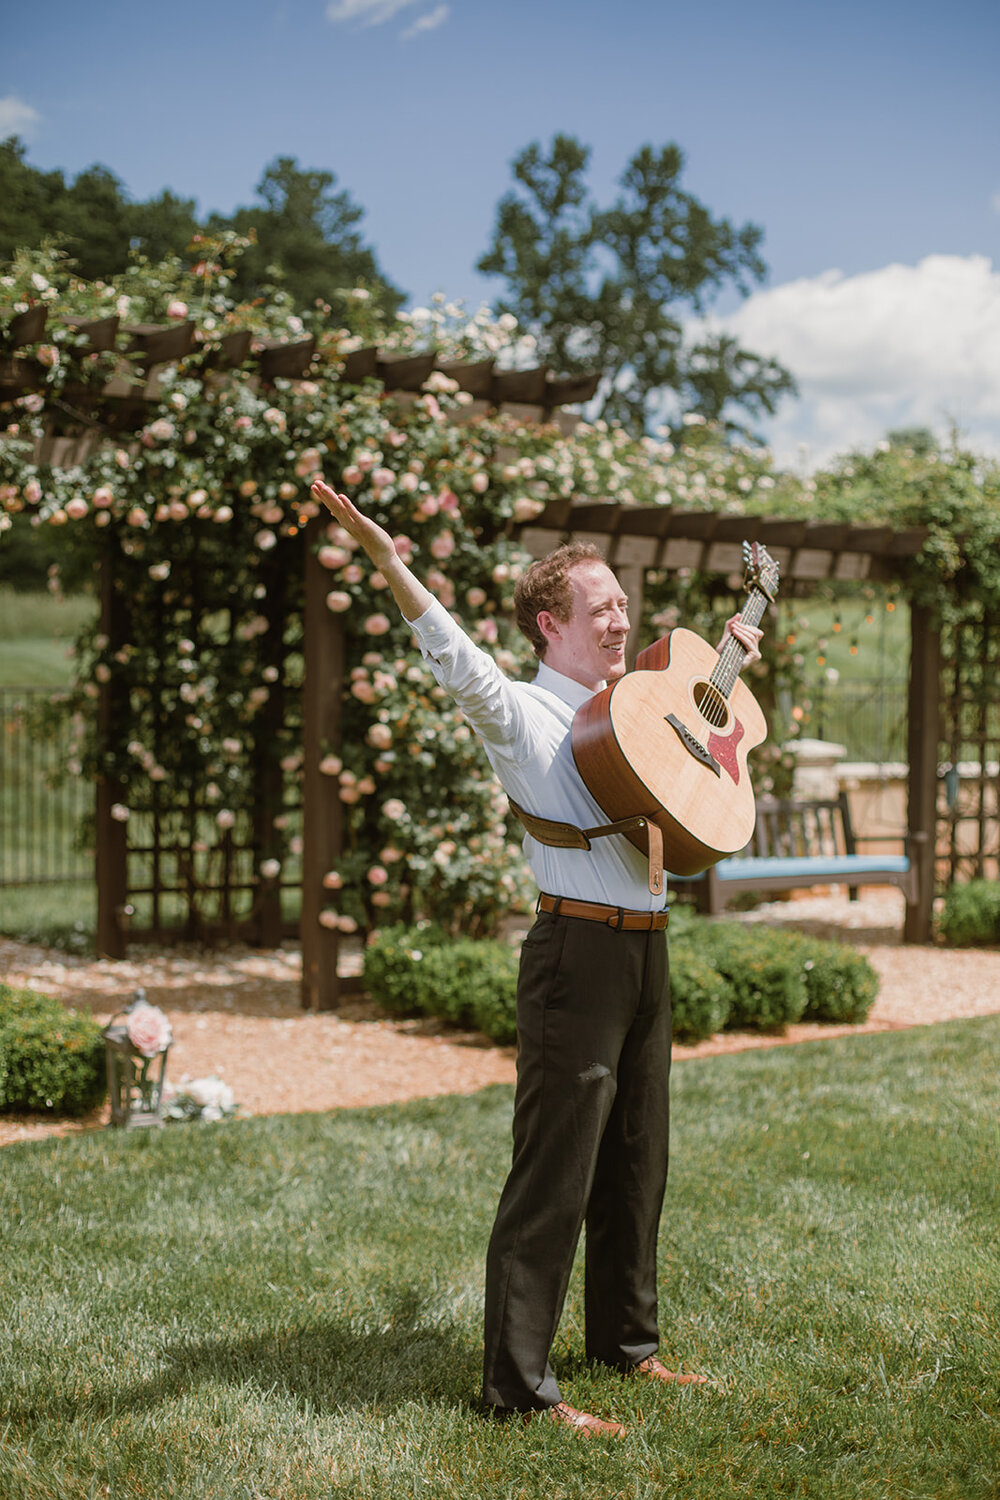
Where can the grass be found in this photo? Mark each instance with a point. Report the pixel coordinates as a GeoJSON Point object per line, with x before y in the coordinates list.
{"type": "Point", "coordinates": [291, 1307]}
{"type": "Point", "coordinates": [36, 637]}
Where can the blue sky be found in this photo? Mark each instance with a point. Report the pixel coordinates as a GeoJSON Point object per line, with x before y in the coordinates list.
{"type": "Point", "coordinates": [863, 138]}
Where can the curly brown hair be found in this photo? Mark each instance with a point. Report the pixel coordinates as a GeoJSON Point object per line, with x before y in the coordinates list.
{"type": "Point", "coordinates": [545, 585]}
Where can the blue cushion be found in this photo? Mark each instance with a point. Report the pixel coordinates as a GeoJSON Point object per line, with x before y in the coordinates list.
{"type": "Point", "coordinates": [834, 867]}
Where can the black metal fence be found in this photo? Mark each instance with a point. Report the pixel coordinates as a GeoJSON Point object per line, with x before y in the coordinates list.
{"type": "Point", "coordinates": [867, 717]}
{"type": "Point", "coordinates": [45, 811]}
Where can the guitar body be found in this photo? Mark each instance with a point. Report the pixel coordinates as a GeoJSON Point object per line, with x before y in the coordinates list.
{"type": "Point", "coordinates": [663, 742]}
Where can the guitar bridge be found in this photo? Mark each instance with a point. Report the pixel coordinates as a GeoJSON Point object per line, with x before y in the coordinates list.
{"type": "Point", "coordinates": [693, 745]}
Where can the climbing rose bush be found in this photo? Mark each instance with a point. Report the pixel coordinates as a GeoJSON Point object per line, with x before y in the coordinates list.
{"type": "Point", "coordinates": [202, 517]}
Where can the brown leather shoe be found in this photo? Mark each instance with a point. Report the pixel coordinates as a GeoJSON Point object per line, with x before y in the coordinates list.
{"type": "Point", "coordinates": [654, 1369]}
{"type": "Point", "coordinates": [582, 1423]}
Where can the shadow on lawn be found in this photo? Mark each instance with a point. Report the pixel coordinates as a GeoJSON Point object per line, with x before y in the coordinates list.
{"type": "Point", "coordinates": [326, 1366]}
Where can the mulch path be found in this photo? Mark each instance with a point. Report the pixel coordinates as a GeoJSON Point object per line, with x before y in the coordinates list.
{"type": "Point", "coordinates": [237, 1015]}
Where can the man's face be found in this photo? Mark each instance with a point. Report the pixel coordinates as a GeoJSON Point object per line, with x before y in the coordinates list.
{"type": "Point", "coordinates": [589, 647]}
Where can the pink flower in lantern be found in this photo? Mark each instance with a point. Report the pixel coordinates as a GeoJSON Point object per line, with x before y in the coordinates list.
{"type": "Point", "coordinates": [148, 1029]}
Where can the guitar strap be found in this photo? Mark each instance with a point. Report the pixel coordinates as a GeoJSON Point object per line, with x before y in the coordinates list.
{"type": "Point", "coordinates": [568, 836]}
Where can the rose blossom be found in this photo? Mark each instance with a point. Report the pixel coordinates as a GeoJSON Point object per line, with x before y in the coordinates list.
{"type": "Point", "coordinates": [378, 875]}
{"type": "Point", "coordinates": [77, 508]}
{"type": "Point", "coordinates": [393, 809]}
{"type": "Point", "coordinates": [177, 310]}
{"type": "Point", "coordinates": [377, 625]}
{"type": "Point", "coordinates": [148, 1029]}
{"type": "Point", "coordinates": [338, 601]}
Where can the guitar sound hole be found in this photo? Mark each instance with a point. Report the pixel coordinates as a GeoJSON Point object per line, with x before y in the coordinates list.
{"type": "Point", "coordinates": [711, 704]}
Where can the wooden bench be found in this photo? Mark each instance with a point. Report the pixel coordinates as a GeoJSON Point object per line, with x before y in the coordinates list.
{"type": "Point", "coordinates": [795, 845]}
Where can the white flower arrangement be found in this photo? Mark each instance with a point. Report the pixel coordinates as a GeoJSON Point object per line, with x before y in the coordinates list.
{"type": "Point", "coordinates": [207, 1099]}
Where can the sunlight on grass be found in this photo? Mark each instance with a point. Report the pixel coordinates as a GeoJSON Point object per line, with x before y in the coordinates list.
{"type": "Point", "coordinates": [36, 637]}
{"type": "Point", "coordinates": [291, 1306]}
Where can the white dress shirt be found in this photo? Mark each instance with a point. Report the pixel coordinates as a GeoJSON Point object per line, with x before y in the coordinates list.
{"type": "Point", "coordinates": [525, 730]}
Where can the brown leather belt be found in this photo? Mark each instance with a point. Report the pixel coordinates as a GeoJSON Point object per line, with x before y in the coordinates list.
{"type": "Point", "coordinates": [619, 917]}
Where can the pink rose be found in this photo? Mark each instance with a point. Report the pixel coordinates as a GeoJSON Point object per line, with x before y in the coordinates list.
{"type": "Point", "coordinates": [148, 1029]}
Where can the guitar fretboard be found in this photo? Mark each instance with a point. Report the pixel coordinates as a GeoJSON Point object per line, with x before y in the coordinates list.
{"type": "Point", "coordinates": [733, 655]}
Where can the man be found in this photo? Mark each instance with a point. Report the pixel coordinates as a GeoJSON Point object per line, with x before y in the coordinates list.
{"type": "Point", "coordinates": [593, 1010]}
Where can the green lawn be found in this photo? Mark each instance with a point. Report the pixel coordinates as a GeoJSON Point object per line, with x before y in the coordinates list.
{"type": "Point", "coordinates": [291, 1307]}
{"type": "Point", "coordinates": [36, 635]}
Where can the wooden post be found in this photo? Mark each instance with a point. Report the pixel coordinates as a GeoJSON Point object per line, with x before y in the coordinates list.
{"type": "Point", "coordinates": [112, 839]}
{"type": "Point", "coordinates": [321, 811]}
{"type": "Point", "coordinates": [268, 779]}
{"type": "Point", "coordinates": [632, 579]}
{"type": "Point", "coordinates": [923, 740]}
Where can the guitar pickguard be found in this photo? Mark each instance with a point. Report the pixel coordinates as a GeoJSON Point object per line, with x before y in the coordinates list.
{"type": "Point", "coordinates": [723, 748]}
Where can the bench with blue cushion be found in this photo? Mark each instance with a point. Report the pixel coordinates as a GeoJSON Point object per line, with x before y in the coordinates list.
{"type": "Point", "coordinates": [797, 844]}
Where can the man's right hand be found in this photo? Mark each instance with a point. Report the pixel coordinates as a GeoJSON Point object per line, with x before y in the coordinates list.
{"type": "Point", "coordinates": [409, 593]}
{"type": "Point", "coordinates": [375, 540]}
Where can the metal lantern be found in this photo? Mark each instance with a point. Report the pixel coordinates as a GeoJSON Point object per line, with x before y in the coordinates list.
{"type": "Point", "coordinates": [135, 1078]}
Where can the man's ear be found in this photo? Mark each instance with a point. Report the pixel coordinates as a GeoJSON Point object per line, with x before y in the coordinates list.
{"type": "Point", "coordinates": [548, 625]}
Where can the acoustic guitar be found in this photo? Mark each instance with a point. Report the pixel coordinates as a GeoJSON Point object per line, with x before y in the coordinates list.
{"type": "Point", "coordinates": [669, 741]}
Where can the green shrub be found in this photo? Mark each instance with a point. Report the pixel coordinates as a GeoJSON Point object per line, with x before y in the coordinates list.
{"type": "Point", "coordinates": [470, 982]}
{"type": "Point", "coordinates": [51, 1058]}
{"type": "Point", "coordinates": [765, 971]}
{"type": "Point", "coordinates": [700, 998]}
{"type": "Point", "coordinates": [971, 914]}
{"type": "Point", "coordinates": [841, 985]}
{"type": "Point", "coordinates": [392, 958]}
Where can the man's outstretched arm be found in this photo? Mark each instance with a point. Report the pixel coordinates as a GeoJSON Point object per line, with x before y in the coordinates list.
{"type": "Point", "coordinates": [409, 593]}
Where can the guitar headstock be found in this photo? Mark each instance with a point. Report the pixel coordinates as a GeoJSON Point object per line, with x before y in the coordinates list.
{"type": "Point", "coordinates": [761, 570]}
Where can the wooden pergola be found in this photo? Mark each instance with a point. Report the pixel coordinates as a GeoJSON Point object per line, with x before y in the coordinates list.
{"type": "Point", "coordinates": [634, 539]}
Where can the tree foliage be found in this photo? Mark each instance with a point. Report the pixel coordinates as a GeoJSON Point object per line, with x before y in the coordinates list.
{"type": "Point", "coordinates": [608, 289]}
{"type": "Point", "coordinates": [301, 233]}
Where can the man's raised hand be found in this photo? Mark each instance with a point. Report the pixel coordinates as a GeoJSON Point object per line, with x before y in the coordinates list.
{"type": "Point", "coordinates": [375, 540]}
{"type": "Point", "coordinates": [409, 593]}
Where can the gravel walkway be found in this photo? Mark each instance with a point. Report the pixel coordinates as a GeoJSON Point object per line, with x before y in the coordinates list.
{"type": "Point", "coordinates": [237, 1015]}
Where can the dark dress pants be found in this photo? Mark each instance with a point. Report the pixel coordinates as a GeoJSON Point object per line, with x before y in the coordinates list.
{"type": "Point", "coordinates": [591, 1125]}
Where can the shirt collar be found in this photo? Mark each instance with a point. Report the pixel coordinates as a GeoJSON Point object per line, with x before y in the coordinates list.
{"type": "Point", "coordinates": [567, 688]}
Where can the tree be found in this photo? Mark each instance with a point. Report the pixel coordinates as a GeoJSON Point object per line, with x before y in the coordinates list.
{"type": "Point", "coordinates": [608, 289]}
{"type": "Point", "coordinates": [307, 233]}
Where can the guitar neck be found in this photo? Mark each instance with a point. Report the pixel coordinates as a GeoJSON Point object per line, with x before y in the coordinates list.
{"type": "Point", "coordinates": [733, 655]}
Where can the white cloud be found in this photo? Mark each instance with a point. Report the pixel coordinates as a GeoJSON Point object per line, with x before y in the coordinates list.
{"type": "Point", "coordinates": [898, 347]}
{"type": "Point", "coordinates": [16, 117]}
{"type": "Point", "coordinates": [366, 12]}
{"type": "Point", "coordinates": [430, 22]}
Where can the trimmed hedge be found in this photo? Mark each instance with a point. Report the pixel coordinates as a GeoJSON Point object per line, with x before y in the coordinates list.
{"type": "Point", "coordinates": [51, 1058]}
{"type": "Point", "coordinates": [470, 982]}
{"type": "Point", "coordinates": [841, 984]}
{"type": "Point", "coordinates": [721, 974]}
{"type": "Point", "coordinates": [700, 997]}
{"type": "Point", "coordinates": [765, 971]}
{"type": "Point", "coordinates": [970, 916]}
